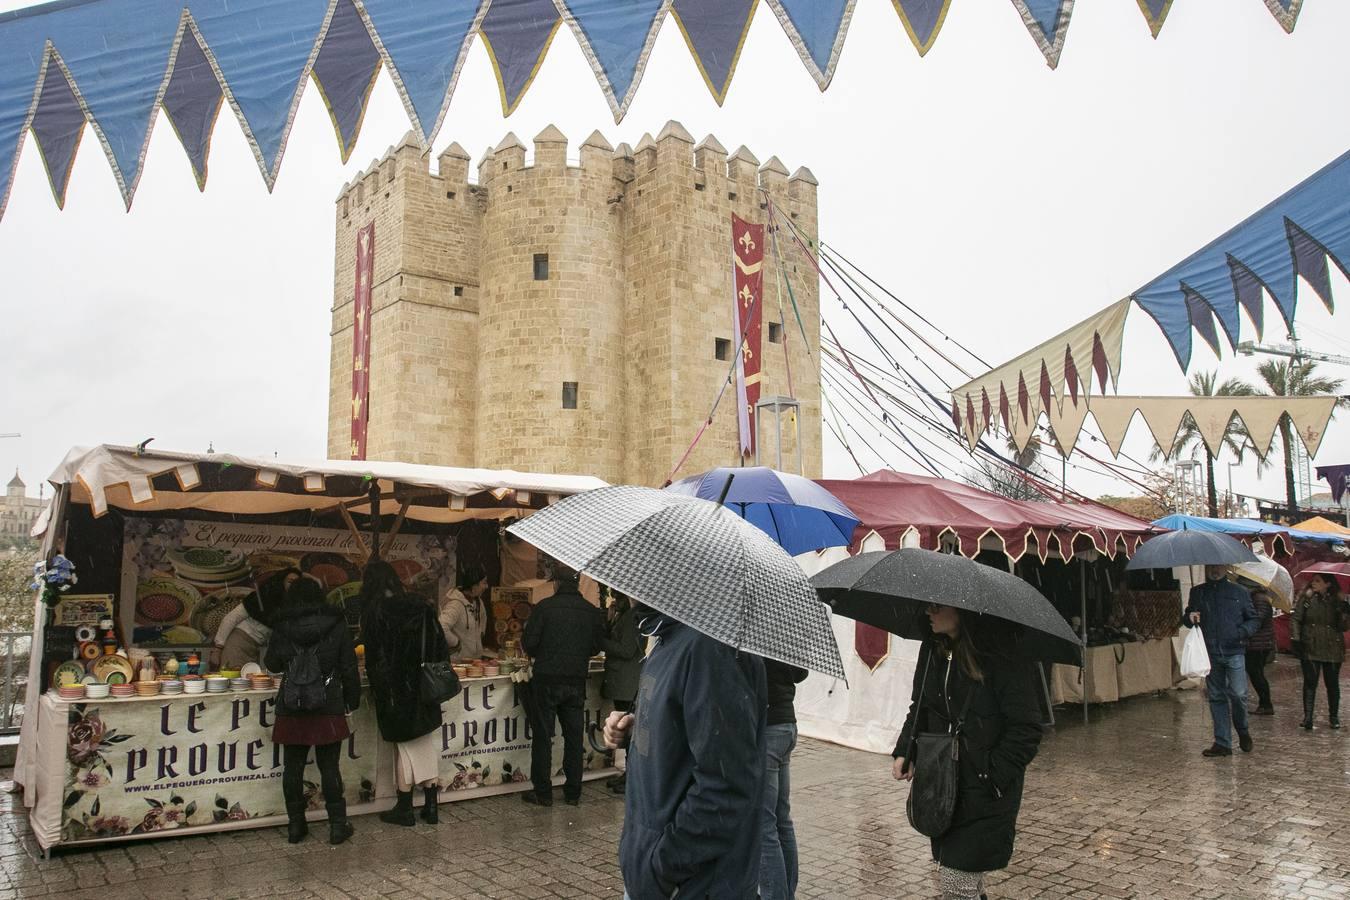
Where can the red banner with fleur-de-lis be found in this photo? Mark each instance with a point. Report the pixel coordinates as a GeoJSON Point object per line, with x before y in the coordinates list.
{"type": "Point", "coordinates": [747, 249]}
{"type": "Point", "coordinates": [365, 274]}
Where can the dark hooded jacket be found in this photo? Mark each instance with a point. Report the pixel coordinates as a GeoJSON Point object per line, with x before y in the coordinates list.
{"type": "Point", "coordinates": [400, 633]}
{"type": "Point", "coordinates": [695, 769]}
{"type": "Point", "coordinates": [561, 635]}
{"type": "Point", "coordinates": [323, 627]}
{"type": "Point", "coordinates": [623, 657]}
{"type": "Point", "coordinates": [1000, 737]}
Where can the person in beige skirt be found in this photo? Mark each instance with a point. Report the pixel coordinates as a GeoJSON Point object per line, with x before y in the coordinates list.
{"type": "Point", "coordinates": [401, 632]}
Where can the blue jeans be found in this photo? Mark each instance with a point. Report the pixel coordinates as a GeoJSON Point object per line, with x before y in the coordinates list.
{"type": "Point", "coordinates": [1226, 685]}
{"type": "Point", "coordinates": [778, 849]}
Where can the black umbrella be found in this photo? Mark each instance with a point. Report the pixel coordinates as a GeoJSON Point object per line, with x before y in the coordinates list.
{"type": "Point", "coordinates": [892, 590]}
{"type": "Point", "coordinates": [1190, 548]}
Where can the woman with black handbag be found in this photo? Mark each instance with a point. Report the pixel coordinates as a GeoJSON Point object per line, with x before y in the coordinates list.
{"type": "Point", "coordinates": [403, 640]}
{"type": "Point", "coordinates": [310, 643]}
{"type": "Point", "coordinates": [972, 729]}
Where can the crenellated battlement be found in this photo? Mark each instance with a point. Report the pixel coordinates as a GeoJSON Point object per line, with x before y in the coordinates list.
{"type": "Point", "coordinates": [552, 273]}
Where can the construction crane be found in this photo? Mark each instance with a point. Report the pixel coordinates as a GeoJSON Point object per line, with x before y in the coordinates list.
{"type": "Point", "coordinates": [1293, 351]}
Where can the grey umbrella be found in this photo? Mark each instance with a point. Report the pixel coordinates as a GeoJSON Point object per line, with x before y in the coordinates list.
{"type": "Point", "coordinates": [1190, 548]}
{"type": "Point", "coordinates": [697, 562]}
{"type": "Point", "coordinates": [892, 590]}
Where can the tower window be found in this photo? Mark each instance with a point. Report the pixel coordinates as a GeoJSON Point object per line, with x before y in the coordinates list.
{"type": "Point", "coordinates": [541, 267]}
{"type": "Point", "coordinates": [449, 195]}
{"type": "Point", "coordinates": [775, 333]}
{"type": "Point", "coordinates": [569, 395]}
{"type": "Point", "coordinates": [459, 290]}
{"type": "Point", "coordinates": [722, 349]}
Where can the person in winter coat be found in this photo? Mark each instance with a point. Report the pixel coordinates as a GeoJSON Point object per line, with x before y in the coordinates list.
{"type": "Point", "coordinates": [243, 634]}
{"type": "Point", "coordinates": [623, 664]}
{"type": "Point", "coordinates": [1261, 650]}
{"type": "Point", "coordinates": [778, 853]}
{"type": "Point", "coordinates": [561, 635]}
{"type": "Point", "coordinates": [463, 615]}
{"type": "Point", "coordinates": [1317, 637]}
{"type": "Point", "coordinates": [1227, 619]}
{"type": "Point", "coordinates": [696, 748]}
{"type": "Point", "coordinates": [962, 668]}
{"type": "Point", "coordinates": [307, 631]}
{"type": "Point", "coordinates": [401, 632]}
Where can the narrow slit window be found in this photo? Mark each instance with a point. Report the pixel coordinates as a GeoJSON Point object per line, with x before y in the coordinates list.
{"type": "Point", "coordinates": [722, 349]}
{"type": "Point", "coordinates": [569, 395]}
{"type": "Point", "coordinates": [775, 333]}
{"type": "Point", "coordinates": [459, 290]}
{"type": "Point", "coordinates": [541, 267]}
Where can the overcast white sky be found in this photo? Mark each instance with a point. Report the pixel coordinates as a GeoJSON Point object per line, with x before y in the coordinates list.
{"type": "Point", "coordinates": [1004, 200]}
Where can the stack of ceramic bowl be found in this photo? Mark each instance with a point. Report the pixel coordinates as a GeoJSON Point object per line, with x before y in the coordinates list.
{"type": "Point", "coordinates": [475, 670]}
{"type": "Point", "coordinates": [491, 670]}
{"type": "Point", "coordinates": [71, 691]}
{"type": "Point", "coordinates": [194, 684]}
{"type": "Point", "coordinates": [239, 684]}
{"type": "Point", "coordinates": [217, 684]}
{"type": "Point", "coordinates": [122, 690]}
{"type": "Point", "coordinates": [171, 686]}
{"type": "Point", "coordinates": [147, 688]}
{"type": "Point", "coordinates": [96, 691]}
{"type": "Point", "coordinates": [260, 682]}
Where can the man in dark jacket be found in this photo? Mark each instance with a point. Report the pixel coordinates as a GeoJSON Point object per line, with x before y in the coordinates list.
{"type": "Point", "coordinates": [1227, 619]}
{"type": "Point", "coordinates": [778, 855]}
{"type": "Point", "coordinates": [561, 635]}
{"type": "Point", "coordinates": [695, 768]}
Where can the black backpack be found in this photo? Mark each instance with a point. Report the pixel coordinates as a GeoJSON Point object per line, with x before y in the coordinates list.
{"type": "Point", "coordinates": [304, 687]}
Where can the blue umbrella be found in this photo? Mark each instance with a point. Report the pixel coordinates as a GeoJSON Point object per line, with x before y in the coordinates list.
{"type": "Point", "coordinates": [1190, 548]}
{"type": "Point", "coordinates": [796, 512]}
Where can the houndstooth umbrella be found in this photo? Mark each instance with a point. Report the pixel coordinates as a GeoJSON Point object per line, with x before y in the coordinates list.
{"type": "Point", "coordinates": [695, 561]}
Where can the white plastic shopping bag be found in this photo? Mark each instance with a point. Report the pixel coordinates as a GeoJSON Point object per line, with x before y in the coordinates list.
{"type": "Point", "coordinates": [1194, 656]}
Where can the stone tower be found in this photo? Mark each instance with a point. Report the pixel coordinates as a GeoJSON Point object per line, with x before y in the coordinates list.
{"type": "Point", "coordinates": [567, 314]}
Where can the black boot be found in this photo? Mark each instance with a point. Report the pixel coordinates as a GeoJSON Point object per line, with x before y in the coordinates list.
{"type": "Point", "coordinates": [1309, 705]}
{"type": "Point", "coordinates": [431, 813]}
{"type": "Point", "coordinates": [1334, 712]}
{"type": "Point", "coordinates": [402, 813]}
{"type": "Point", "coordinates": [296, 828]}
{"type": "Point", "coordinates": [339, 826]}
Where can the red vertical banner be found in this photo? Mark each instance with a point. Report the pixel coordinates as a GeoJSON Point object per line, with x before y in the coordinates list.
{"type": "Point", "coordinates": [747, 249]}
{"type": "Point", "coordinates": [365, 274]}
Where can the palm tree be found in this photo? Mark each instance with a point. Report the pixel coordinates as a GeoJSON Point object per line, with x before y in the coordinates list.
{"type": "Point", "coordinates": [1235, 438]}
{"type": "Point", "coordinates": [1294, 378]}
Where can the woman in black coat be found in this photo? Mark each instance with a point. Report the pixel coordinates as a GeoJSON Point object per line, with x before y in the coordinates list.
{"type": "Point", "coordinates": [400, 631]}
{"type": "Point", "coordinates": [307, 623]}
{"type": "Point", "coordinates": [999, 737]}
{"type": "Point", "coordinates": [623, 664]}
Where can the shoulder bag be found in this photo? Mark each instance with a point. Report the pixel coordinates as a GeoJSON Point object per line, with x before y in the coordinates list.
{"type": "Point", "coordinates": [437, 681]}
{"type": "Point", "coordinates": [935, 757]}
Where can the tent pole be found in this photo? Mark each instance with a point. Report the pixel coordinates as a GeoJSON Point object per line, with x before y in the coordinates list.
{"type": "Point", "coordinates": [1082, 625]}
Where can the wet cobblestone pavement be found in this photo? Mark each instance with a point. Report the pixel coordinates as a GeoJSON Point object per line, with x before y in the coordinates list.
{"type": "Point", "coordinates": [1123, 807]}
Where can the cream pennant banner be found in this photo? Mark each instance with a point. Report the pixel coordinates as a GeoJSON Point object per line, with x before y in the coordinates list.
{"type": "Point", "coordinates": [1311, 416]}
{"type": "Point", "coordinates": [1261, 420]}
{"type": "Point", "coordinates": [1067, 424]}
{"type": "Point", "coordinates": [1113, 420]}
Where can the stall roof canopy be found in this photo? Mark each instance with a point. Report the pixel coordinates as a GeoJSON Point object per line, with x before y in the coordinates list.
{"type": "Point", "coordinates": [1269, 534]}
{"type": "Point", "coordinates": [894, 504]}
{"type": "Point", "coordinates": [155, 480]}
{"type": "Point", "coordinates": [112, 64]}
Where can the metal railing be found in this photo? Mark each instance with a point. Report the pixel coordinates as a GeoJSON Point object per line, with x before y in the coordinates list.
{"type": "Point", "coordinates": [16, 647]}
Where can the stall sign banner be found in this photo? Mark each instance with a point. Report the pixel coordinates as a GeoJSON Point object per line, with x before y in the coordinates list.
{"type": "Point", "coordinates": [365, 275]}
{"type": "Point", "coordinates": [180, 576]}
{"type": "Point", "coordinates": [486, 735]}
{"type": "Point", "coordinates": [747, 249]}
{"type": "Point", "coordinates": [202, 762]}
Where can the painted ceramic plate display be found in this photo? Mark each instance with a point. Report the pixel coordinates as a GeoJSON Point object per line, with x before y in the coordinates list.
{"type": "Point", "coordinates": [214, 607]}
{"type": "Point", "coordinates": [68, 673]}
{"type": "Point", "coordinates": [333, 569]}
{"type": "Point", "coordinates": [164, 601]}
{"type": "Point", "coordinates": [112, 669]}
{"type": "Point", "coordinates": [208, 565]}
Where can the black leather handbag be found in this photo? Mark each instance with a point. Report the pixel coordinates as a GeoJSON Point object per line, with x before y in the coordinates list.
{"type": "Point", "coordinates": [935, 757]}
{"type": "Point", "coordinates": [437, 681]}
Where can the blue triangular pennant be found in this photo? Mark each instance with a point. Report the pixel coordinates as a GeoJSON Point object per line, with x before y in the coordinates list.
{"type": "Point", "coordinates": [262, 51]}
{"type": "Point", "coordinates": [1155, 12]}
{"type": "Point", "coordinates": [192, 101]}
{"type": "Point", "coordinates": [616, 41]}
{"type": "Point", "coordinates": [22, 43]}
{"type": "Point", "coordinates": [1048, 22]}
{"type": "Point", "coordinates": [424, 54]}
{"type": "Point", "coordinates": [58, 123]}
{"type": "Point", "coordinates": [1285, 12]}
{"type": "Point", "coordinates": [715, 30]}
{"type": "Point", "coordinates": [817, 29]}
{"type": "Point", "coordinates": [517, 35]}
{"type": "Point", "coordinates": [922, 20]}
{"type": "Point", "coordinates": [345, 71]}
{"type": "Point", "coordinates": [119, 64]}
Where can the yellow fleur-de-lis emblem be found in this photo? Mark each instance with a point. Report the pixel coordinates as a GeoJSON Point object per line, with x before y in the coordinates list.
{"type": "Point", "coordinates": [357, 366]}
{"type": "Point", "coordinates": [747, 296]}
{"type": "Point", "coordinates": [356, 407]}
{"type": "Point", "coordinates": [356, 449]}
{"type": "Point", "coordinates": [747, 243]}
{"type": "Point", "coordinates": [746, 351]}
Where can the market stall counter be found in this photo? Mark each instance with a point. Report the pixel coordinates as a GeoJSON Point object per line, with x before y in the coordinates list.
{"type": "Point", "coordinates": [135, 734]}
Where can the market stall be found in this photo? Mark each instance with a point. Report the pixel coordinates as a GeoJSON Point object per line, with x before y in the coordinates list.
{"type": "Point", "coordinates": [137, 733]}
{"type": "Point", "coordinates": [1029, 538]}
